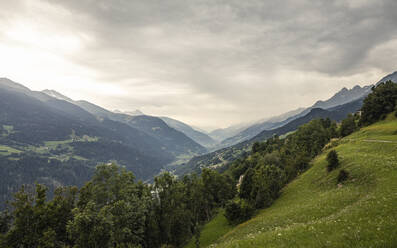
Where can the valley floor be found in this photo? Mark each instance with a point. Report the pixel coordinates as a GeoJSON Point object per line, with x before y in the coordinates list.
{"type": "Point", "coordinates": [315, 211]}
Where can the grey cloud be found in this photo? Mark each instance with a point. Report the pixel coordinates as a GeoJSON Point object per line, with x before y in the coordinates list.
{"type": "Point", "coordinates": [231, 52]}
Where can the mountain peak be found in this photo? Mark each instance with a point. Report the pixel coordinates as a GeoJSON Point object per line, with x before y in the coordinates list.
{"type": "Point", "coordinates": [57, 95]}
{"type": "Point", "coordinates": [391, 77]}
{"type": "Point", "coordinates": [7, 83]}
{"type": "Point", "coordinates": [136, 112]}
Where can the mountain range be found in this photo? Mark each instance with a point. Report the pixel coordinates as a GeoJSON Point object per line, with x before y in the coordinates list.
{"type": "Point", "coordinates": [50, 138]}
{"type": "Point", "coordinates": [231, 148]}
{"type": "Point", "coordinates": [343, 96]}
{"type": "Point", "coordinates": [37, 118]}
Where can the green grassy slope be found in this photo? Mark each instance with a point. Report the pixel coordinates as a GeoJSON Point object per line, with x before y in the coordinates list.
{"type": "Point", "coordinates": [214, 229]}
{"type": "Point", "coordinates": [314, 211]}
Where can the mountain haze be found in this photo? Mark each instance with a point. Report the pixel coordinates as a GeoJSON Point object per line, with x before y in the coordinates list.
{"type": "Point", "coordinates": [201, 138]}
{"type": "Point", "coordinates": [341, 97]}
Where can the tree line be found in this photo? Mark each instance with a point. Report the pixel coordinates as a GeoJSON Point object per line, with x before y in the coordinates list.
{"type": "Point", "coordinates": [114, 210]}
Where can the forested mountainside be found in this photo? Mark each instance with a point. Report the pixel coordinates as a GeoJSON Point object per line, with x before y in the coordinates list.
{"type": "Point", "coordinates": [152, 124]}
{"type": "Point", "coordinates": [222, 157]}
{"type": "Point", "coordinates": [332, 182]}
{"type": "Point", "coordinates": [56, 142]}
{"type": "Point", "coordinates": [173, 141]}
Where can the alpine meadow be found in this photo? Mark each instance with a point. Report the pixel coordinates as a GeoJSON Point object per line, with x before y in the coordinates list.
{"type": "Point", "coordinates": [188, 124]}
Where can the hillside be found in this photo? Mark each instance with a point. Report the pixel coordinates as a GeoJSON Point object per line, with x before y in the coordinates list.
{"type": "Point", "coordinates": [46, 138]}
{"type": "Point", "coordinates": [199, 137]}
{"type": "Point", "coordinates": [337, 113]}
{"type": "Point", "coordinates": [314, 211]}
{"type": "Point", "coordinates": [224, 156]}
{"type": "Point", "coordinates": [60, 130]}
{"type": "Point", "coordinates": [171, 139]}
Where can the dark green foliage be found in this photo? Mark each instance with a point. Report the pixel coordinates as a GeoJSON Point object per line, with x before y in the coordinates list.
{"type": "Point", "coordinates": [348, 126]}
{"type": "Point", "coordinates": [5, 221]}
{"type": "Point", "coordinates": [343, 176]}
{"type": "Point", "coordinates": [37, 223]}
{"type": "Point", "coordinates": [238, 211]}
{"type": "Point", "coordinates": [379, 103]}
{"type": "Point", "coordinates": [111, 210]}
{"type": "Point", "coordinates": [31, 169]}
{"type": "Point", "coordinates": [333, 160]}
{"type": "Point", "coordinates": [255, 147]}
{"type": "Point", "coordinates": [277, 161]}
{"type": "Point", "coordinates": [267, 183]}
{"type": "Point", "coordinates": [247, 184]}
{"type": "Point", "coordinates": [114, 211]}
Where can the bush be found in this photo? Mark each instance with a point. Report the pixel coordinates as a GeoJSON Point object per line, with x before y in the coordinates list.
{"type": "Point", "coordinates": [348, 126]}
{"type": "Point", "coordinates": [333, 160]}
{"type": "Point", "coordinates": [238, 211]}
{"type": "Point", "coordinates": [343, 176]}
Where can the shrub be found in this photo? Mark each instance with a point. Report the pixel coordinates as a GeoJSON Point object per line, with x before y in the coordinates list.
{"type": "Point", "coordinates": [333, 160]}
{"type": "Point", "coordinates": [238, 211]}
{"type": "Point", "coordinates": [343, 176]}
{"type": "Point", "coordinates": [348, 126]}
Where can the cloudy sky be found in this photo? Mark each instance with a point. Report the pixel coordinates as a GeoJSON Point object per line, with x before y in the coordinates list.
{"type": "Point", "coordinates": [210, 63]}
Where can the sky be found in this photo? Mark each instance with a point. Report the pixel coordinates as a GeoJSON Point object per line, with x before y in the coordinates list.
{"type": "Point", "coordinates": [209, 63]}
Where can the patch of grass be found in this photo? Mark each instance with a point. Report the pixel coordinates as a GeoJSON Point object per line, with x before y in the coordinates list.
{"type": "Point", "coordinates": [6, 150]}
{"type": "Point", "coordinates": [313, 211]}
{"type": "Point", "coordinates": [214, 229]}
{"type": "Point", "coordinates": [8, 130]}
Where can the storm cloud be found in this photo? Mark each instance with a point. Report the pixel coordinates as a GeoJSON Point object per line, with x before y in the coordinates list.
{"type": "Point", "coordinates": [205, 62]}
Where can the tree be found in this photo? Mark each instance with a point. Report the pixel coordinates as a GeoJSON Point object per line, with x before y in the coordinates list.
{"type": "Point", "coordinates": [348, 126]}
{"type": "Point", "coordinates": [246, 184]}
{"type": "Point", "coordinates": [238, 211]}
{"type": "Point", "coordinates": [255, 147]}
{"type": "Point", "coordinates": [5, 221]}
{"type": "Point", "coordinates": [333, 160]}
{"type": "Point", "coordinates": [267, 183]}
{"type": "Point", "coordinates": [112, 209]}
{"type": "Point", "coordinates": [379, 103]}
{"type": "Point", "coordinates": [343, 176]}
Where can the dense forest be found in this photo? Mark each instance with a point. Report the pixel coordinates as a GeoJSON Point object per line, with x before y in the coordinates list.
{"type": "Point", "coordinates": [112, 209]}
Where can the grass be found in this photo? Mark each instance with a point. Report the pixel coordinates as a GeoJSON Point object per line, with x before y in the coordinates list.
{"type": "Point", "coordinates": [217, 227]}
{"type": "Point", "coordinates": [6, 150]}
{"type": "Point", "coordinates": [314, 211]}
{"type": "Point", "coordinates": [8, 130]}
{"type": "Point", "coordinates": [49, 147]}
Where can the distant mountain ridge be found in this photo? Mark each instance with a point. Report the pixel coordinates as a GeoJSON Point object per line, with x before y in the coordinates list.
{"type": "Point", "coordinates": [224, 133]}
{"type": "Point", "coordinates": [344, 96]}
{"type": "Point", "coordinates": [391, 77]}
{"type": "Point", "coordinates": [149, 127]}
{"type": "Point", "coordinates": [201, 138]}
{"type": "Point", "coordinates": [341, 97]}
{"type": "Point", "coordinates": [173, 140]}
